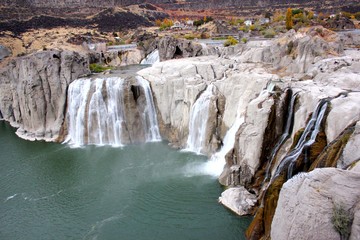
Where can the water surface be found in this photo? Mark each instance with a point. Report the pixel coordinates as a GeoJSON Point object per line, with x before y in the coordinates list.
{"type": "Point", "coordinates": [51, 191]}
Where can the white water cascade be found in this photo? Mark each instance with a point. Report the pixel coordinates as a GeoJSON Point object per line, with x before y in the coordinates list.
{"type": "Point", "coordinates": [307, 138]}
{"type": "Point", "coordinates": [149, 115]}
{"type": "Point", "coordinates": [97, 113]}
{"type": "Point", "coordinates": [151, 58]}
{"type": "Point", "coordinates": [215, 165]}
{"type": "Point", "coordinates": [198, 121]}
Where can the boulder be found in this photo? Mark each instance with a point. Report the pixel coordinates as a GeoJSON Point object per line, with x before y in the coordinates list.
{"type": "Point", "coordinates": [4, 52]}
{"type": "Point", "coordinates": [307, 201]}
{"type": "Point", "coordinates": [238, 200]}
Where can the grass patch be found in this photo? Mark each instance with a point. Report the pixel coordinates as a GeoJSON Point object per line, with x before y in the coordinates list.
{"type": "Point", "coordinates": [97, 68]}
{"type": "Point", "coordinates": [342, 220]}
{"type": "Point", "coordinates": [230, 42]}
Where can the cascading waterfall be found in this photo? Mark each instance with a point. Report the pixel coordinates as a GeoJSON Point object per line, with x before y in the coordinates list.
{"type": "Point", "coordinates": [152, 58]}
{"type": "Point", "coordinates": [215, 165]}
{"type": "Point", "coordinates": [284, 136]}
{"type": "Point", "coordinates": [307, 138]}
{"type": "Point", "coordinates": [198, 121]}
{"type": "Point", "coordinates": [91, 119]}
{"type": "Point", "coordinates": [97, 113]}
{"type": "Point", "coordinates": [149, 116]}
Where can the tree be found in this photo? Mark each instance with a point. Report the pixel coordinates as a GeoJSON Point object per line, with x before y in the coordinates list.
{"type": "Point", "coordinates": [288, 19]}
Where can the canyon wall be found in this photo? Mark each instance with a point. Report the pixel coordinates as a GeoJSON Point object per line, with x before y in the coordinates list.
{"type": "Point", "coordinates": [294, 102]}
{"type": "Point", "coordinates": [33, 91]}
{"type": "Point", "coordinates": [265, 110]}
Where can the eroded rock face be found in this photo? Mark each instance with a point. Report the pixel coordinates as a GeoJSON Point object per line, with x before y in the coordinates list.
{"type": "Point", "coordinates": [306, 203]}
{"type": "Point", "coordinates": [313, 65]}
{"type": "Point", "coordinates": [176, 84]}
{"type": "Point", "coordinates": [33, 91]}
{"type": "Point", "coordinates": [170, 48]}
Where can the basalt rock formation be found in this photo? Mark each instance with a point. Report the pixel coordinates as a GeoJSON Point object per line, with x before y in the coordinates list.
{"type": "Point", "coordinates": [222, 7]}
{"type": "Point", "coordinates": [103, 19]}
{"type": "Point", "coordinates": [33, 91]}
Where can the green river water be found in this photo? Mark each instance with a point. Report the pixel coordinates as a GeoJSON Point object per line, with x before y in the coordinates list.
{"type": "Point", "coordinates": [148, 191]}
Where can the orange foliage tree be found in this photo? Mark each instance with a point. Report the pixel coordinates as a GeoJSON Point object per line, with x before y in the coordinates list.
{"type": "Point", "coordinates": [288, 19]}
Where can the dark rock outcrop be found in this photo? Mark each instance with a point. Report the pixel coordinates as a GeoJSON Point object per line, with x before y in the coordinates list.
{"type": "Point", "coordinates": [4, 52]}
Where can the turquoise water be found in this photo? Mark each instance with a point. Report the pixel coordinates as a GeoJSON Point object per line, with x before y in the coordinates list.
{"type": "Point", "coordinates": [51, 191]}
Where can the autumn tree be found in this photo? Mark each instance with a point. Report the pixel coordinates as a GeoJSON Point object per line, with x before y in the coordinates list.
{"type": "Point", "coordinates": [288, 19]}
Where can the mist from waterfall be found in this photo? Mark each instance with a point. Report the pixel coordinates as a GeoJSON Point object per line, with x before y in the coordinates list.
{"type": "Point", "coordinates": [152, 58]}
{"type": "Point", "coordinates": [198, 121]}
{"type": "Point", "coordinates": [97, 113]}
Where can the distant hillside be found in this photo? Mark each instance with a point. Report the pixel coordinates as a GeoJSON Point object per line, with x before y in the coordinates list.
{"type": "Point", "coordinates": [20, 15]}
{"type": "Point", "coordinates": [186, 4]}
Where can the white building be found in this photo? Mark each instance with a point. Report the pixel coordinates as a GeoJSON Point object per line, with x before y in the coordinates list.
{"type": "Point", "coordinates": [248, 22]}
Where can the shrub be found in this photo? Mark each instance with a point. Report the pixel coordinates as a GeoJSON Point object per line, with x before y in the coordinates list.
{"type": "Point", "coordinates": [240, 21]}
{"type": "Point", "coordinates": [269, 33]}
{"type": "Point", "coordinates": [189, 36]}
{"type": "Point", "coordinates": [165, 24]}
{"type": "Point", "coordinates": [230, 41]}
{"type": "Point", "coordinates": [158, 22]}
{"type": "Point", "coordinates": [244, 40]}
{"type": "Point", "coordinates": [357, 15]}
{"type": "Point", "coordinates": [97, 68]}
{"type": "Point", "coordinates": [278, 17]}
{"type": "Point", "coordinates": [296, 11]}
{"type": "Point", "coordinates": [204, 35]}
{"type": "Point", "coordinates": [244, 28]}
{"type": "Point", "coordinates": [342, 221]}
{"type": "Point", "coordinates": [232, 21]}
{"type": "Point", "coordinates": [290, 47]}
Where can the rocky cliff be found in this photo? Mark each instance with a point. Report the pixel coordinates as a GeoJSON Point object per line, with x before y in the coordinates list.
{"type": "Point", "coordinates": [284, 97]}
{"type": "Point", "coordinates": [264, 111]}
{"type": "Point", "coordinates": [33, 91]}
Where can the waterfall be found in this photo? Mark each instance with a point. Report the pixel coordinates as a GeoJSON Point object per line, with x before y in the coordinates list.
{"type": "Point", "coordinates": [91, 119]}
{"type": "Point", "coordinates": [285, 135]}
{"type": "Point", "coordinates": [307, 138]}
{"type": "Point", "coordinates": [215, 165]}
{"type": "Point", "coordinates": [149, 115]}
{"type": "Point", "coordinates": [77, 98]}
{"type": "Point", "coordinates": [198, 121]}
{"type": "Point", "coordinates": [97, 113]}
{"type": "Point", "coordinates": [152, 58]}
